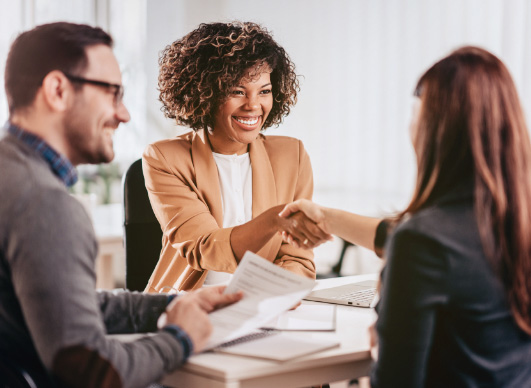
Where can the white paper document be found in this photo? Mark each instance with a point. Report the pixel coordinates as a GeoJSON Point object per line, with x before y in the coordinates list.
{"type": "Point", "coordinates": [306, 317]}
{"type": "Point", "coordinates": [268, 291]}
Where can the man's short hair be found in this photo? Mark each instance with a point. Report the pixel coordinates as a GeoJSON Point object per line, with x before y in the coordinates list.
{"type": "Point", "coordinates": [45, 48]}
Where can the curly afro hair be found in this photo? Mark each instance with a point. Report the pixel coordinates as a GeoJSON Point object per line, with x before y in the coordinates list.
{"type": "Point", "coordinates": [198, 72]}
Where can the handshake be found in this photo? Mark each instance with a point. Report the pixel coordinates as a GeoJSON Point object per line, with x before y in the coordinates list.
{"type": "Point", "coordinates": [303, 224]}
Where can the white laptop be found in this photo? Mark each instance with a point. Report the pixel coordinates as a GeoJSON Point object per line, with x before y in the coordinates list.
{"type": "Point", "coordinates": [360, 294]}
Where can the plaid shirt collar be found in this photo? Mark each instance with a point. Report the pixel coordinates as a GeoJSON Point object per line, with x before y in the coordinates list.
{"type": "Point", "coordinates": [60, 165]}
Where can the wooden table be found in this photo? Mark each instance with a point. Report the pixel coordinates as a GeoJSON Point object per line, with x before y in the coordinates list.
{"type": "Point", "coordinates": [108, 225]}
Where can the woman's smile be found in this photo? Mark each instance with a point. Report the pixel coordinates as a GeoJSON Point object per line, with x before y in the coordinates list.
{"type": "Point", "coordinates": [248, 123]}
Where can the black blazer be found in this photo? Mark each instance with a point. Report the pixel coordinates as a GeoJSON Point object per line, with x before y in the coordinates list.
{"type": "Point", "coordinates": [443, 318]}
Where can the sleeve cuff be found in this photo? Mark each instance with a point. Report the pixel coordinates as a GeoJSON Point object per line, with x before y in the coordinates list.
{"type": "Point", "coordinates": [171, 297]}
{"type": "Point", "coordinates": [182, 337]}
{"type": "Point", "coordinates": [381, 237]}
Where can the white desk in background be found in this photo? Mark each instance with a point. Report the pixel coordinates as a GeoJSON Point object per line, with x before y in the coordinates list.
{"type": "Point", "coordinates": [108, 220]}
{"type": "Point", "coordinates": [350, 360]}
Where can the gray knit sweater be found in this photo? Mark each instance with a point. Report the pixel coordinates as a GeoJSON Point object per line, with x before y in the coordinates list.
{"type": "Point", "coordinates": [51, 317]}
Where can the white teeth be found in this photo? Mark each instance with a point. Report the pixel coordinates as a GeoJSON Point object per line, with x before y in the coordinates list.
{"type": "Point", "coordinates": [247, 122]}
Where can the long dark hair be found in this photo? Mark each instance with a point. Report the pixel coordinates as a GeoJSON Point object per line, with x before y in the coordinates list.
{"type": "Point", "coordinates": [471, 128]}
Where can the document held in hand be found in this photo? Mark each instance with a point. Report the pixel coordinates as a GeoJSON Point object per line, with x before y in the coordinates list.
{"type": "Point", "coordinates": [268, 291]}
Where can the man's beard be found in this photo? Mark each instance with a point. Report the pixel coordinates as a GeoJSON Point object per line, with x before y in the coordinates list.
{"type": "Point", "coordinates": [85, 145]}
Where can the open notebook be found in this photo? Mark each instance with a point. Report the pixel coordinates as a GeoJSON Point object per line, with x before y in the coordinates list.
{"type": "Point", "coordinates": [360, 294]}
{"type": "Point", "coordinates": [276, 346]}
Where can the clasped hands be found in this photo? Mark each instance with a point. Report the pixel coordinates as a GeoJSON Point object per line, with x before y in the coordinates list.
{"type": "Point", "coordinates": [304, 224]}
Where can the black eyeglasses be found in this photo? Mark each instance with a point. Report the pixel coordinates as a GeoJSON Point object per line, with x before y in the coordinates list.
{"type": "Point", "coordinates": [117, 90]}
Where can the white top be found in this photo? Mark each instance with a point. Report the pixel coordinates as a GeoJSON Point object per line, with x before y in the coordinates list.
{"type": "Point", "coordinates": [236, 186]}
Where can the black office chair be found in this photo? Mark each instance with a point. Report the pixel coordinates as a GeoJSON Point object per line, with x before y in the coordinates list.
{"type": "Point", "coordinates": [142, 232]}
{"type": "Point", "coordinates": [336, 269]}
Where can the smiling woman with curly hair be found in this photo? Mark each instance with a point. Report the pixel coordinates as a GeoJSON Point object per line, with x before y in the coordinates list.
{"type": "Point", "coordinates": [218, 189]}
{"type": "Point", "coordinates": [213, 59]}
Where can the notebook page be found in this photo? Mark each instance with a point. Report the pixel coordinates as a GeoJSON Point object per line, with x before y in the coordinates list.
{"type": "Point", "coordinates": [268, 291]}
{"type": "Point", "coordinates": [280, 347]}
{"type": "Point", "coordinates": [306, 317]}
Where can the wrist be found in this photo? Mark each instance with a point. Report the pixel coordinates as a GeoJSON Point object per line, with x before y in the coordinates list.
{"type": "Point", "coordinates": [274, 223]}
{"type": "Point", "coordinates": [182, 337]}
{"type": "Point", "coordinates": [328, 219]}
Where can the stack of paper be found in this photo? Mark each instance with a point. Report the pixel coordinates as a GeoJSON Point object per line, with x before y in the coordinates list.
{"type": "Point", "coordinates": [269, 291]}
{"type": "Point", "coordinates": [306, 317]}
{"type": "Point", "coordinates": [277, 347]}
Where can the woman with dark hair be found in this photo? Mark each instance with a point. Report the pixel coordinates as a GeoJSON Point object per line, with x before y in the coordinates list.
{"type": "Point", "coordinates": [455, 297]}
{"type": "Point", "coordinates": [218, 189]}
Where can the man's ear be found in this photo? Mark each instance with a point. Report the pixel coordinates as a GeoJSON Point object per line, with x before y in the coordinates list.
{"type": "Point", "coordinates": [57, 90]}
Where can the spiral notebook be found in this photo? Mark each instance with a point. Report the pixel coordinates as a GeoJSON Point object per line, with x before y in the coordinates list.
{"type": "Point", "coordinates": [276, 346]}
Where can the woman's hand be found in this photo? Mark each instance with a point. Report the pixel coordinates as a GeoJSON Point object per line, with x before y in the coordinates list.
{"type": "Point", "coordinates": [307, 227]}
{"type": "Point", "coordinates": [252, 235]}
{"type": "Point", "coordinates": [354, 228]}
{"type": "Point", "coordinates": [312, 210]}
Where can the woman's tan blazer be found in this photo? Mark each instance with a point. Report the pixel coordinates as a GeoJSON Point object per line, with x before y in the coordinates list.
{"type": "Point", "coordinates": [183, 184]}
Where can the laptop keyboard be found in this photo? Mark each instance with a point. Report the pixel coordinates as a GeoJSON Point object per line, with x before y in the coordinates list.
{"type": "Point", "coordinates": [361, 296]}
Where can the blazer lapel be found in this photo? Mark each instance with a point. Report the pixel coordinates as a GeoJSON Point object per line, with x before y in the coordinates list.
{"type": "Point", "coordinates": [264, 191]}
{"type": "Point", "coordinates": [206, 174]}
{"type": "Point", "coordinates": [264, 187]}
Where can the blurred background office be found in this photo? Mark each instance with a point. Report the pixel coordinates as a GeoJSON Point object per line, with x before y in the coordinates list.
{"type": "Point", "coordinates": [358, 62]}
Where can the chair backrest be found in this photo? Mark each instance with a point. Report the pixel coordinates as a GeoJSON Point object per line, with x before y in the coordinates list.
{"type": "Point", "coordinates": [13, 375]}
{"type": "Point", "coordinates": [142, 232]}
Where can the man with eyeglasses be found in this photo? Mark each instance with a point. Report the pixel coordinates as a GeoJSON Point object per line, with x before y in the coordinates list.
{"type": "Point", "coordinates": [64, 91]}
